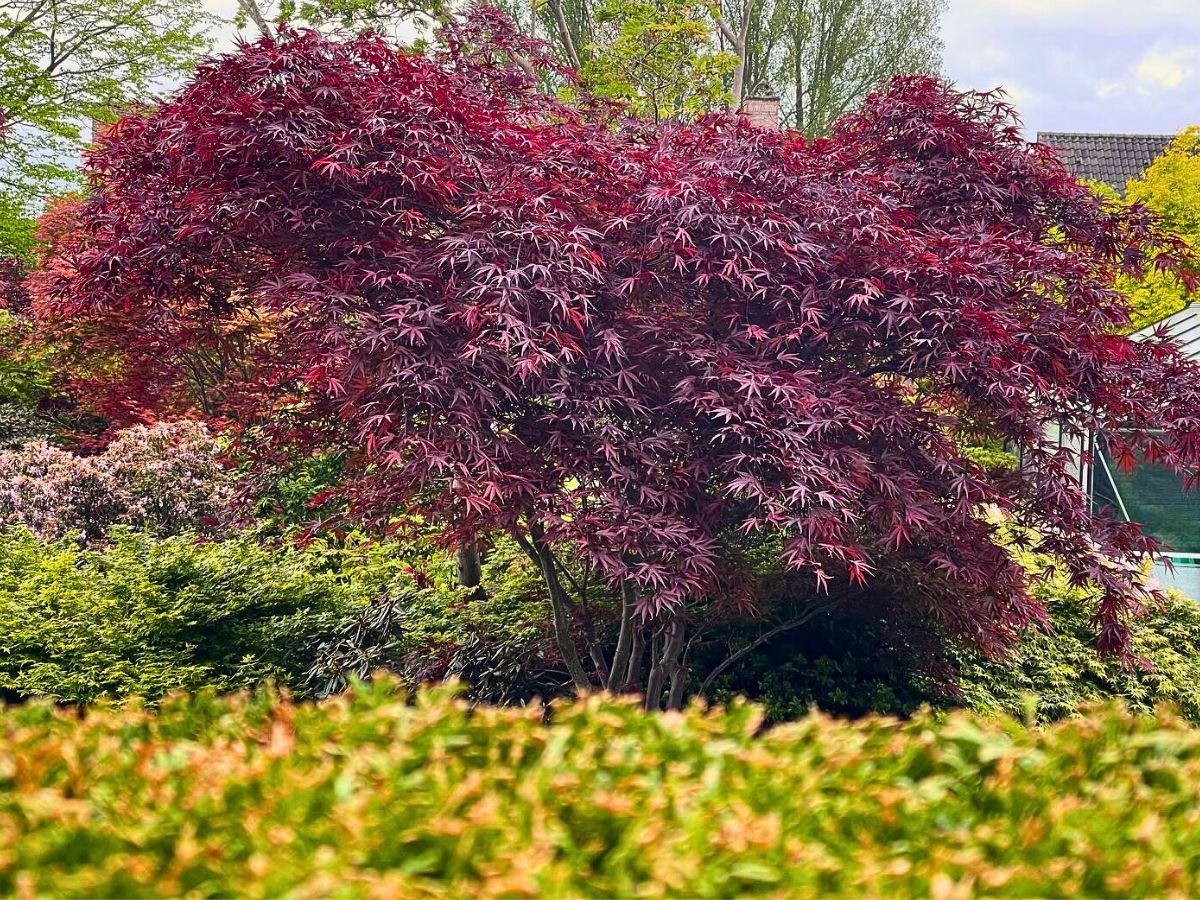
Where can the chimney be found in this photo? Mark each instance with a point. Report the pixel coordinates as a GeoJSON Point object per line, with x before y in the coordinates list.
{"type": "Point", "coordinates": [763, 112]}
{"type": "Point", "coordinates": [100, 127]}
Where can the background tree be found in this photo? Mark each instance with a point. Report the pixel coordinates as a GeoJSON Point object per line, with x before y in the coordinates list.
{"type": "Point", "coordinates": [64, 63]}
{"type": "Point", "coordinates": [658, 57]}
{"type": "Point", "coordinates": [696, 372]}
{"type": "Point", "coordinates": [1170, 187]}
{"type": "Point", "coordinates": [396, 18]}
{"type": "Point", "coordinates": [822, 57]}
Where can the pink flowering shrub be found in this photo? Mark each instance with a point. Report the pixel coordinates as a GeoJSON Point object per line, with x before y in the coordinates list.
{"type": "Point", "coordinates": [53, 492]}
{"type": "Point", "coordinates": [165, 478]}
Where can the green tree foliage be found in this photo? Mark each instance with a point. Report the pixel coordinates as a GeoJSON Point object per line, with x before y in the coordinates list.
{"type": "Point", "coordinates": [657, 56]}
{"type": "Point", "coordinates": [66, 63]}
{"type": "Point", "coordinates": [404, 18]}
{"type": "Point", "coordinates": [1170, 187]}
{"type": "Point", "coordinates": [821, 57]}
{"type": "Point", "coordinates": [395, 795]}
{"type": "Point", "coordinates": [17, 228]}
{"type": "Point", "coordinates": [24, 384]}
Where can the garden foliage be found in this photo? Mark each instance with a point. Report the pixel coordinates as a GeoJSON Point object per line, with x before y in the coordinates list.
{"type": "Point", "coordinates": [377, 795]}
{"type": "Point", "coordinates": [646, 353]}
{"type": "Point", "coordinates": [24, 380]}
{"type": "Point", "coordinates": [1054, 672]}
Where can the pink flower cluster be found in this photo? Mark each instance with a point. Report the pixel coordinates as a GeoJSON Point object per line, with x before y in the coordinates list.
{"type": "Point", "coordinates": [166, 478]}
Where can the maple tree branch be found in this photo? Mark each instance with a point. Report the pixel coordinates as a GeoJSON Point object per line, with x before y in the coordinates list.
{"type": "Point", "coordinates": [809, 614]}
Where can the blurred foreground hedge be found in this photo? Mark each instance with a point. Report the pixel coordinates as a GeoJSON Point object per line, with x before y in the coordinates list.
{"type": "Point", "coordinates": [386, 795]}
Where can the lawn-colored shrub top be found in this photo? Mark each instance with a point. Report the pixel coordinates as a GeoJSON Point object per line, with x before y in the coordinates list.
{"type": "Point", "coordinates": [379, 796]}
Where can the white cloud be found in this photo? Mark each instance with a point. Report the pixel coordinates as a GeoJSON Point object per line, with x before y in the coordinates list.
{"type": "Point", "coordinates": [1163, 68]}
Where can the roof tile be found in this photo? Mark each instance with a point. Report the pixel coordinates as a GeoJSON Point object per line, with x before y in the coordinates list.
{"type": "Point", "coordinates": [1111, 158]}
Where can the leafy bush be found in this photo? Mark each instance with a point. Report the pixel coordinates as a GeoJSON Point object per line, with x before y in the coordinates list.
{"type": "Point", "coordinates": [849, 665]}
{"type": "Point", "coordinates": [166, 478]}
{"type": "Point", "coordinates": [498, 644]}
{"type": "Point", "coordinates": [384, 795]}
{"type": "Point", "coordinates": [145, 616]}
{"type": "Point", "coordinates": [1051, 673]}
{"type": "Point", "coordinates": [843, 665]}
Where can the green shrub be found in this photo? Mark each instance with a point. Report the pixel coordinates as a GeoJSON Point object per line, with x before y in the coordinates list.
{"type": "Point", "coordinates": [146, 616]}
{"type": "Point", "coordinates": [841, 664]}
{"type": "Point", "coordinates": [848, 666]}
{"type": "Point", "coordinates": [1051, 673]}
{"type": "Point", "coordinates": [499, 645]}
{"type": "Point", "coordinates": [381, 795]}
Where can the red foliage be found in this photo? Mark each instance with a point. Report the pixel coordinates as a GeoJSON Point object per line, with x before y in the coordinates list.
{"type": "Point", "coordinates": [128, 363]}
{"type": "Point", "coordinates": [13, 295]}
{"type": "Point", "coordinates": [649, 344]}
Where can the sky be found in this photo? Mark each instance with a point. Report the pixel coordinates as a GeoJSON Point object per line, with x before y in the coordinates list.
{"type": "Point", "coordinates": [1081, 65]}
{"type": "Point", "coordinates": [1067, 65]}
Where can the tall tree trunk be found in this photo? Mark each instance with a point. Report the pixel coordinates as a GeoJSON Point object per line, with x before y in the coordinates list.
{"type": "Point", "coordinates": [467, 567]}
{"type": "Point", "coordinates": [254, 14]}
{"type": "Point", "coordinates": [738, 42]}
{"type": "Point", "coordinates": [798, 59]}
{"type": "Point", "coordinates": [564, 35]}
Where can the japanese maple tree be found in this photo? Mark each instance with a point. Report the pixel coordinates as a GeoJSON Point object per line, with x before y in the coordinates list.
{"type": "Point", "coordinates": [652, 354]}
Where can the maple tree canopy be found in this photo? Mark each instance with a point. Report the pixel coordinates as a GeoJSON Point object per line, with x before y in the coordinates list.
{"type": "Point", "coordinates": [656, 346]}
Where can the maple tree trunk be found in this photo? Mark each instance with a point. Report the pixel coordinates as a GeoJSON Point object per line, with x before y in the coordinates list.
{"type": "Point", "coordinates": [633, 674]}
{"type": "Point", "coordinates": [677, 684]}
{"type": "Point", "coordinates": [678, 673]}
{"type": "Point", "coordinates": [539, 552]}
{"type": "Point", "coordinates": [622, 657]}
{"type": "Point", "coordinates": [665, 664]}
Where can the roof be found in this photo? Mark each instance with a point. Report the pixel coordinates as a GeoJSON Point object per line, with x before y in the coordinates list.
{"type": "Point", "coordinates": [1183, 327]}
{"type": "Point", "coordinates": [1111, 158]}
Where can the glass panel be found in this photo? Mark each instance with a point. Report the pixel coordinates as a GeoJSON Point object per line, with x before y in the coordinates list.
{"type": "Point", "coordinates": [1155, 498]}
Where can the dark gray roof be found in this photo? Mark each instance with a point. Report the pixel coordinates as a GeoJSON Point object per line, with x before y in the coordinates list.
{"type": "Point", "coordinates": [1111, 158]}
{"type": "Point", "coordinates": [1183, 327]}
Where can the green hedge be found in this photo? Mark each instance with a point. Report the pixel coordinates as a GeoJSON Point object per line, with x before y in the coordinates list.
{"type": "Point", "coordinates": [384, 795]}
{"type": "Point", "coordinates": [145, 616]}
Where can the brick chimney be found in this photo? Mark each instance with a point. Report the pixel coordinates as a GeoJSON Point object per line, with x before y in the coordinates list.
{"type": "Point", "coordinates": [100, 127]}
{"type": "Point", "coordinates": [763, 112]}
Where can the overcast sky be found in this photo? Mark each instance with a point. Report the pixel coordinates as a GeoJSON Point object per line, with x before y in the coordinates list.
{"type": "Point", "coordinates": [1082, 65]}
{"type": "Point", "coordinates": [1067, 65]}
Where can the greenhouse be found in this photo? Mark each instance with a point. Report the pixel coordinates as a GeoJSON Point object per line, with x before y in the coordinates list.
{"type": "Point", "coordinates": [1152, 495]}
